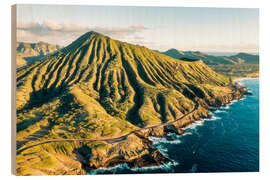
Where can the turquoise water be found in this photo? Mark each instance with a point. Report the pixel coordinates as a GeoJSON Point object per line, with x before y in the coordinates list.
{"type": "Point", "coordinates": [227, 142]}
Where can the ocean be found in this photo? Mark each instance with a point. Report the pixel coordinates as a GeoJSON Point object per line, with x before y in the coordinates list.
{"type": "Point", "coordinates": [226, 142]}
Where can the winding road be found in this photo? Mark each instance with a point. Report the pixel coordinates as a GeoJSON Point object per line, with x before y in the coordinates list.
{"type": "Point", "coordinates": [109, 140]}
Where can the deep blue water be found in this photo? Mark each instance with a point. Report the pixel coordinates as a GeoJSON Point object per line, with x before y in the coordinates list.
{"type": "Point", "coordinates": [228, 142]}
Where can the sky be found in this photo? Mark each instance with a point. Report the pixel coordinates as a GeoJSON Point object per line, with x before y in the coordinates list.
{"type": "Point", "coordinates": [158, 28]}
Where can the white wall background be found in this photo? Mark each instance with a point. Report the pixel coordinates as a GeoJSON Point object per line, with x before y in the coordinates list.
{"type": "Point", "coordinates": [5, 86]}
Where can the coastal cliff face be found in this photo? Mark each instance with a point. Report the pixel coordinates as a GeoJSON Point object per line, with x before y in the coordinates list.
{"type": "Point", "coordinates": [136, 150]}
{"type": "Point", "coordinates": [96, 102]}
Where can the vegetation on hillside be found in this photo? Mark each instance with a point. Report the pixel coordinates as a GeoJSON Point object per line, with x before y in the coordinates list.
{"type": "Point", "coordinates": [98, 88]}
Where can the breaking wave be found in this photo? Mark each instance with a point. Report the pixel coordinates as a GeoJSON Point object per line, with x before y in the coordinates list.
{"type": "Point", "coordinates": [112, 170]}
{"type": "Point", "coordinates": [166, 166]}
{"type": "Point", "coordinates": [201, 121]}
{"type": "Point", "coordinates": [219, 111]}
{"type": "Point", "coordinates": [157, 140]}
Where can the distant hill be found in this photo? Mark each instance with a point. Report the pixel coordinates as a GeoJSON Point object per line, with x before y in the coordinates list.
{"type": "Point", "coordinates": [241, 64]}
{"type": "Point", "coordinates": [207, 59]}
{"type": "Point", "coordinates": [214, 60]}
{"type": "Point", "coordinates": [27, 53]}
{"type": "Point", "coordinates": [245, 58]}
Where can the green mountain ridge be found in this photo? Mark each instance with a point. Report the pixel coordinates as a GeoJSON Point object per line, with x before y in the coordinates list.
{"type": "Point", "coordinates": [246, 58]}
{"type": "Point", "coordinates": [240, 65]}
{"type": "Point", "coordinates": [100, 88]}
{"type": "Point", "coordinates": [214, 60]}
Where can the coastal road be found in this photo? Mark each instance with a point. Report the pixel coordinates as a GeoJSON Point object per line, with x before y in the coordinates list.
{"type": "Point", "coordinates": [109, 140]}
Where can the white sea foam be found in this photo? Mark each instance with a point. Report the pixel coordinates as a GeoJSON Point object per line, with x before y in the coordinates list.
{"type": "Point", "coordinates": [194, 125]}
{"type": "Point", "coordinates": [201, 122]}
{"type": "Point", "coordinates": [214, 118]}
{"type": "Point", "coordinates": [225, 107]}
{"type": "Point", "coordinates": [242, 98]}
{"type": "Point", "coordinates": [219, 111]}
{"type": "Point", "coordinates": [186, 133]}
{"type": "Point", "coordinates": [110, 169]}
{"type": "Point", "coordinates": [166, 166]}
{"type": "Point", "coordinates": [232, 102]}
{"type": "Point", "coordinates": [174, 135]}
{"type": "Point", "coordinates": [125, 166]}
{"type": "Point", "coordinates": [157, 140]}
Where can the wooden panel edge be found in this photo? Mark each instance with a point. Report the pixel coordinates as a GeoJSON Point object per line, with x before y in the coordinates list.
{"type": "Point", "coordinates": [13, 87]}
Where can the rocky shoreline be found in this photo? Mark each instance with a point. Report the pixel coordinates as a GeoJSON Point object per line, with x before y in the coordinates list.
{"type": "Point", "coordinates": [138, 151]}
{"type": "Point", "coordinates": [135, 150]}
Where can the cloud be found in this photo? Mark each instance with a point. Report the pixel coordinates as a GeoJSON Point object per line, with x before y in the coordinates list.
{"type": "Point", "coordinates": [138, 37]}
{"type": "Point", "coordinates": [138, 27]}
{"type": "Point", "coordinates": [120, 31]}
{"type": "Point", "coordinates": [21, 25]}
{"type": "Point", "coordinates": [48, 27]}
{"type": "Point", "coordinates": [65, 33]}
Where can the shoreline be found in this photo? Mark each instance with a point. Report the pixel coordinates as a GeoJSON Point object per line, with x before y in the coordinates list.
{"type": "Point", "coordinates": [237, 79]}
{"type": "Point", "coordinates": [137, 149]}
{"type": "Point", "coordinates": [235, 97]}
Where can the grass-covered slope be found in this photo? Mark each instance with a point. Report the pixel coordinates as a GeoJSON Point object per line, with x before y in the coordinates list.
{"type": "Point", "coordinates": [100, 88]}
